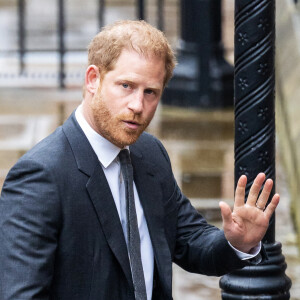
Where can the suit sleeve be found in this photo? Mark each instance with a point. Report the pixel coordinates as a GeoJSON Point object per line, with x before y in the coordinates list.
{"type": "Point", "coordinates": [199, 247]}
{"type": "Point", "coordinates": [29, 225]}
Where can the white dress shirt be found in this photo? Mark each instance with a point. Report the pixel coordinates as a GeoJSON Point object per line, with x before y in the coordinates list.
{"type": "Point", "coordinates": [107, 154]}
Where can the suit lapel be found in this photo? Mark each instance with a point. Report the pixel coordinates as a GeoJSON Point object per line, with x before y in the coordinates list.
{"type": "Point", "coordinates": [151, 199]}
{"type": "Point", "coordinates": [106, 210]}
{"type": "Point", "coordinates": [99, 192]}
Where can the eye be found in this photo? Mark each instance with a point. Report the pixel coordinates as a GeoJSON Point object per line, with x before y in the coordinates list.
{"type": "Point", "coordinates": [149, 92]}
{"type": "Point", "coordinates": [125, 85]}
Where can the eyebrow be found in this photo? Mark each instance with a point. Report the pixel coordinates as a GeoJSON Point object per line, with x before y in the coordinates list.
{"type": "Point", "coordinates": [132, 82]}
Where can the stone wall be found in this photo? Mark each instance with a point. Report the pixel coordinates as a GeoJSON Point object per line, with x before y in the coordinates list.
{"type": "Point", "coordinates": [288, 98]}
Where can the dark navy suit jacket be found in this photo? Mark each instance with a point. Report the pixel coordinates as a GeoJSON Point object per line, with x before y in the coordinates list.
{"type": "Point", "coordinates": [60, 233]}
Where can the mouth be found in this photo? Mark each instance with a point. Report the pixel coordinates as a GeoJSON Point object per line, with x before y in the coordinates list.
{"type": "Point", "coordinates": [132, 124]}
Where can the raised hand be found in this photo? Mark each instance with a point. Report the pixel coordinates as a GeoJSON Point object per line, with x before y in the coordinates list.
{"type": "Point", "coordinates": [246, 225]}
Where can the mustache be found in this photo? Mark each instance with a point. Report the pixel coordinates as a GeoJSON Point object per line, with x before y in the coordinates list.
{"type": "Point", "coordinates": [134, 118]}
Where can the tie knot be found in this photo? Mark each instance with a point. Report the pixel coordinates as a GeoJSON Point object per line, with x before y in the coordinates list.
{"type": "Point", "coordinates": [124, 157]}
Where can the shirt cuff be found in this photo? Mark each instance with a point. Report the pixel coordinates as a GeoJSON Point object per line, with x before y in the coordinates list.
{"type": "Point", "coordinates": [244, 256]}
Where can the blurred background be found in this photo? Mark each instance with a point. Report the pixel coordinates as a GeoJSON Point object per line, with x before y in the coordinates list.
{"type": "Point", "coordinates": [42, 63]}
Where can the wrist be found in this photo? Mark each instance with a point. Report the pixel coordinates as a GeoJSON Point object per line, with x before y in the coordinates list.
{"type": "Point", "coordinates": [241, 248]}
{"type": "Point", "coordinates": [250, 252]}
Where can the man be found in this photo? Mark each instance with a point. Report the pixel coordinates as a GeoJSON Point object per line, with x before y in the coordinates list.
{"type": "Point", "coordinates": [67, 228]}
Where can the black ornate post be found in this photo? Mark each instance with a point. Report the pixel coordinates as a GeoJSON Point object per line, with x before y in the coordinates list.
{"type": "Point", "coordinates": [202, 78]}
{"type": "Point", "coordinates": [255, 140]}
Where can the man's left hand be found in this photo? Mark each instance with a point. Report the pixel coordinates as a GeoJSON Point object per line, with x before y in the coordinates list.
{"type": "Point", "coordinates": [246, 225]}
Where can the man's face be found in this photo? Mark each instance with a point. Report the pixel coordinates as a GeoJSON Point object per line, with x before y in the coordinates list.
{"type": "Point", "coordinates": [127, 98]}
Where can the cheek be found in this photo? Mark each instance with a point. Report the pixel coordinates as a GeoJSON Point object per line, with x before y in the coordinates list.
{"type": "Point", "coordinates": [151, 108]}
{"type": "Point", "coordinates": [109, 102]}
{"type": "Point", "coordinates": [115, 99]}
{"type": "Point", "coordinates": [113, 91]}
{"type": "Point", "coordinates": [115, 108]}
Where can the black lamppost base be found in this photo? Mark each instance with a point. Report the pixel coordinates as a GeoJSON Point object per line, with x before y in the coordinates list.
{"type": "Point", "coordinates": [202, 78]}
{"type": "Point", "coordinates": [183, 89]}
{"type": "Point", "coordinates": [198, 82]}
{"type": "Point", "coordinates": [260, 282]}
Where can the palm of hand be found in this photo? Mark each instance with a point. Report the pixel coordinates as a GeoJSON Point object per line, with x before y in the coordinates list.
{"type": "Point", "coordinates": [245, 227]}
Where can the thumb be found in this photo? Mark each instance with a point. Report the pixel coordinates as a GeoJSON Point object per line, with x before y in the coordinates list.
{"type": "Point", "coordinates": [226, 213]}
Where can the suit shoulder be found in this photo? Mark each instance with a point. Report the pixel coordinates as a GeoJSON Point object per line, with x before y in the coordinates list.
{"type": "Point", "coordinates": [146, 137]}
{"type": "Point", "coordinates": [151, 146]}
{"type": "Point", "coordinates": [45, 160]}
{"type": "Point", "coordinates": [49, 150]}
{"type": "Point", "coordinates": [147, 140]}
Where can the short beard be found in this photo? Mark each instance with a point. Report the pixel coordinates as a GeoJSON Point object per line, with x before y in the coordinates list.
{"type": "Point", "coordinates": [110, 127]}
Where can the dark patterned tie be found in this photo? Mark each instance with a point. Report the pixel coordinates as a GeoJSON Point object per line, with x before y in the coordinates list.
{"type": "Point", "coordinates": [134, 243]}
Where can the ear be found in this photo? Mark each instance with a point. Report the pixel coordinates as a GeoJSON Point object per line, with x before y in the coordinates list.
{"type": "Point", "coordinates": [92, 79]}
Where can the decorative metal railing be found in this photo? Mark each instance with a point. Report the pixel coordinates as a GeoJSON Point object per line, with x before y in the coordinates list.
{"type": "Point", "coordinates": [61, 50]}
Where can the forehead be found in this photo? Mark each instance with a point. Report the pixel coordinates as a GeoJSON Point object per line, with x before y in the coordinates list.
{"type": "Point", "coordinates": [128, 55]}
{"type": "Point", "coordinates": [133, 64]}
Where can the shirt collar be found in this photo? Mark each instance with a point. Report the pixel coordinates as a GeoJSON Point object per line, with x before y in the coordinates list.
{"type": "Point", "coordinates": [104, 149]}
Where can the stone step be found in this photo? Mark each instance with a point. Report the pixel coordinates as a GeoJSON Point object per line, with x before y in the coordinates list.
{"type": "Point", "coordinates": [204, 184]}
{"type": "Point", "coordinates": [181, 124]}
{"type": "Point", "coordinates": [18, 134]}
{"type": "Point", "coordinates": [35, 101]}
{"type": "Point", "coordinates": [66, 107]}
{"type": "Point", "coordinates": [209, 208]}
{"type": "Point", "coordinates": [203, 169]}
{"type": "Point", "coordinates": [203, 158]}
{"type": "Point", "coordinates": [196, 129]}
{"type": "Point", "coordinates": [200, 146]}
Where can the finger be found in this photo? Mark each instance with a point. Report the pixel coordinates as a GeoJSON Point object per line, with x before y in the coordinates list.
{"type": "Point", "coordinates": [226, 213]}
{"type": "Point", "coordinates": [265, 194]}
{"type": "Point", "coordinates": [240, 191]}
{"type": "Point", "coordinates": [272, 206]}
{"type": "Point", "coordinates": [255, 188]}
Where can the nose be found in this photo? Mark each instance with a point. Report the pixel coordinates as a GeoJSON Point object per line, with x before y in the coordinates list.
{"type": "Point", "coordinates": [136, 103]}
